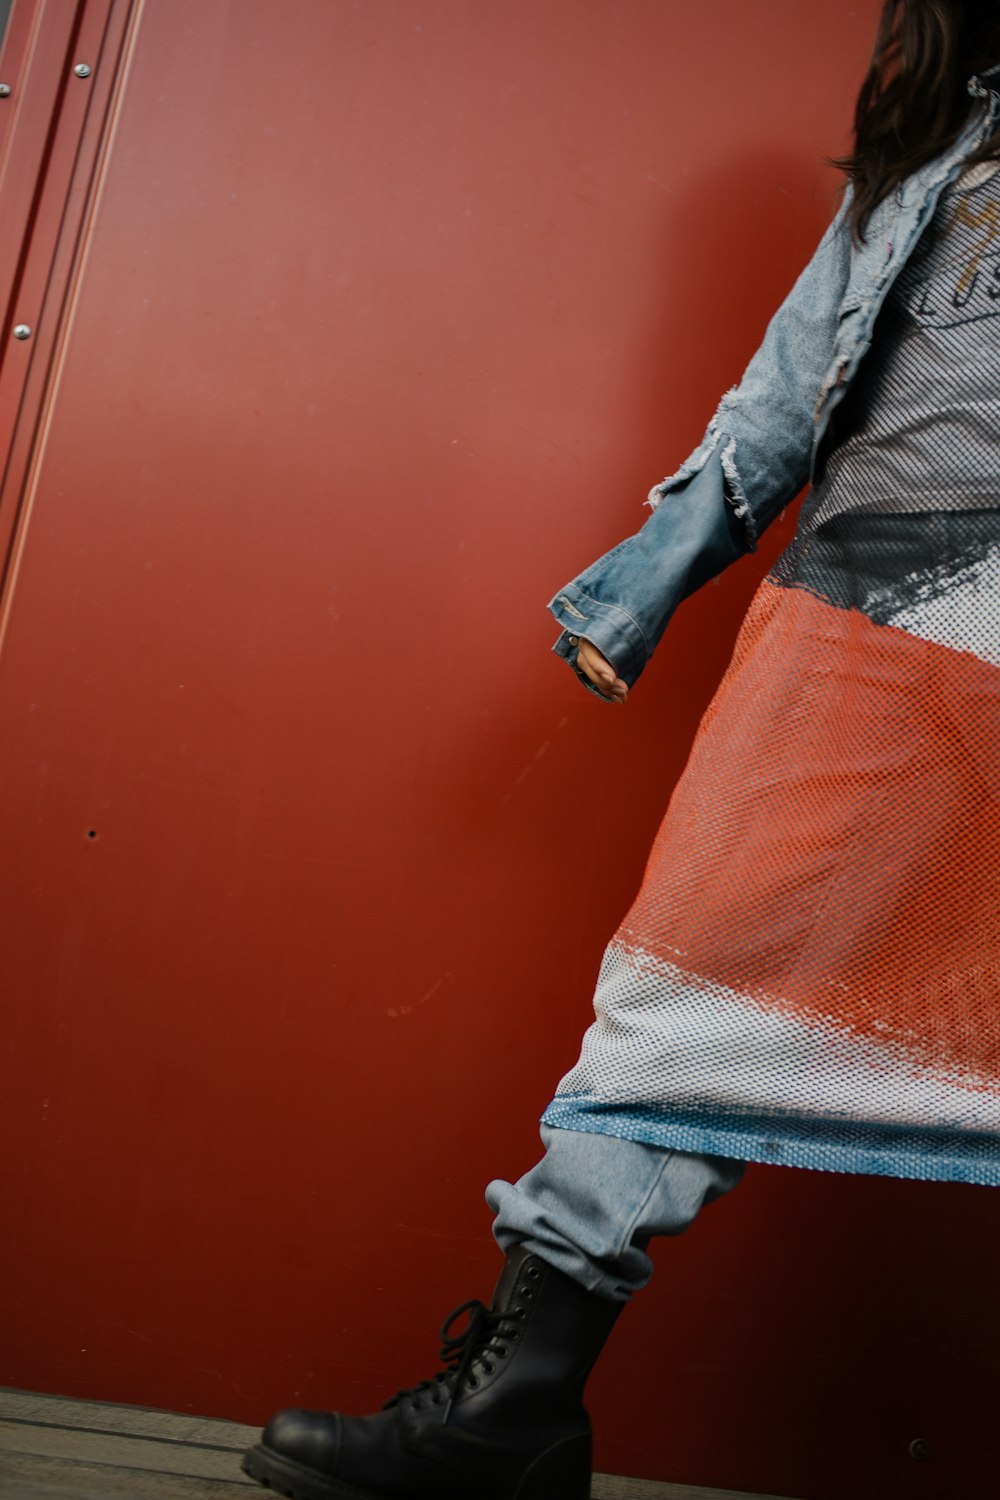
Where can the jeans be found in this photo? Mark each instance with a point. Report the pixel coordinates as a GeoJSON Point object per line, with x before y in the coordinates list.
{"type": "Point", "coordinates": [592, 1204]}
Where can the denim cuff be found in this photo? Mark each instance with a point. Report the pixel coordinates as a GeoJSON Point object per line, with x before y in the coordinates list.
{"type": "Point", "coordinates": [623, 602]}
{"type": "Point", "coordinates": [607, 626]}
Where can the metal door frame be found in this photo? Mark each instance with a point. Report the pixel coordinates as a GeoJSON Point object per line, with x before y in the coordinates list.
{"type": "Point", "coordinates": [64, 62]}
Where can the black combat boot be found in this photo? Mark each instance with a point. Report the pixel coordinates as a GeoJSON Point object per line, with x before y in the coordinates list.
{"type": "Point", "coordinates": [504, 1421]}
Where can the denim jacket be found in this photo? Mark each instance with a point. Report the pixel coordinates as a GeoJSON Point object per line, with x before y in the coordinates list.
{"type": "Point", "coordinates": [762, 444]}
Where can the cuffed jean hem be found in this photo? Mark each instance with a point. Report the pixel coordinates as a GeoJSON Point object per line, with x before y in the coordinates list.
{"type": "Point", "coordinates": [592, 1204]}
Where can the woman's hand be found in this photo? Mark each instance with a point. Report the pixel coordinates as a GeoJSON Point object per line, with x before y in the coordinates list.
{"type": "Point", "coordinates": [601, 673]}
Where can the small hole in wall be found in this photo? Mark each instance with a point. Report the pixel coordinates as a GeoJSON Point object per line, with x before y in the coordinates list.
{"type": "Point", "coordinates": [91, 834]}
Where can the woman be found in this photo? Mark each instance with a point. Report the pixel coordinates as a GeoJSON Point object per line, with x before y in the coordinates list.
{"type": "Point", "coordinates": [809, 973]}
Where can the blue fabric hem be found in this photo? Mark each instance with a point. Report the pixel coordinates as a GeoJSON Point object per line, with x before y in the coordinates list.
{"type": "Point", "coordinates": [823, 1145]}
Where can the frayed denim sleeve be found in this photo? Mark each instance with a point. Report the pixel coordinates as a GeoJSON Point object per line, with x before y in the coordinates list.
{"type": "Point", "coordinates": [766, 428]}
{"type": "Point", "coordinates": [623, 602]}
{"type": "Point", "coordinates": [754, 458]}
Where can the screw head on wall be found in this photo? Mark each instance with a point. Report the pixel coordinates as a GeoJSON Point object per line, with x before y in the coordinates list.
{"type": "Point", "coordinates": [22, 331]}
{"type": "Point", "coordinates": [4, 90]}
{"type": "Point", "coordinates": [82, 70]}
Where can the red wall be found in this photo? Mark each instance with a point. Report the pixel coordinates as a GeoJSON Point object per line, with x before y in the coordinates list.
{"type": "Point", "coordinates": [388, 315]}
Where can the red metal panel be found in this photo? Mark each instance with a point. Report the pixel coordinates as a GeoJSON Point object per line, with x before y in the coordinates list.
{"type": "Point", "coordinates": [381, 320]}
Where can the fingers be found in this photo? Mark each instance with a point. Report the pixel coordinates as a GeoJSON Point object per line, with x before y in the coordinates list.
{"type": "Point", "coordinates": [598, 670]}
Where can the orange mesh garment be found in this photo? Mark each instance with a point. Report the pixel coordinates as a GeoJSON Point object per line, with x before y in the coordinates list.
{"type": "Point", "coordinates": [810, 973]}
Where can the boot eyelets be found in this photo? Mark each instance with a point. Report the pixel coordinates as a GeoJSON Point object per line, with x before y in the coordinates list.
{"type": "Point", "coordinates": [534, 1272]}
{"type": "Point", "coordinates": [474, 1382]}
{"type": "Point", "coordinates": [501, 1351]}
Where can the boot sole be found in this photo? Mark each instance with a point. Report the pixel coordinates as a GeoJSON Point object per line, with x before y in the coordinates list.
{"type": "Point", "coordinates": [549, 1478]}
{"type": "Point", "coordinates": [291, 1479]}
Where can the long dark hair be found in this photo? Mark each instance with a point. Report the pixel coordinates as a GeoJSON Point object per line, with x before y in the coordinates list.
{"type": "Point", "coordinates": [914, 100]}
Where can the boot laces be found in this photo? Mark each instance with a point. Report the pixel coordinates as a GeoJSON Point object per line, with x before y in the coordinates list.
{"type": "Point", "coordinates": [482, 1337]}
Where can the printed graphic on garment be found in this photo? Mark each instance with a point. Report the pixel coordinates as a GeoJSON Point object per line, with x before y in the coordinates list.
{"type": "Point", "coordinates": [954, 276]}
{"type": "Point", "coordinates": [918, 429]}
